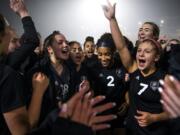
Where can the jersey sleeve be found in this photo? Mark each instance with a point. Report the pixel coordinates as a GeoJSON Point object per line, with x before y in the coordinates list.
{"type": "Point", "coordinates": [29, 41]}
{"type": "Point", "coordinates": [12, 92]}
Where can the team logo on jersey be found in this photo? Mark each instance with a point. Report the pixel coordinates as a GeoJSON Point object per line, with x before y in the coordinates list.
{"type": "Point", "coordinates": [101, 75]}
{"type": "Point", "coordinates": [137, 77]}
{"type": "Point", "coordinates": [154, 85]}
{"type": "Point", "coordinates": [56, 83]}
{"type": "Point", "coordinates": [119, 72]}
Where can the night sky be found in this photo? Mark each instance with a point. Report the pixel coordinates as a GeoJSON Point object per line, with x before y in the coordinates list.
{"type": "Point", "coordinates": [77, 19]}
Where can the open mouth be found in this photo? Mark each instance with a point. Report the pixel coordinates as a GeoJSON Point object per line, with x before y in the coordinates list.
{"type": "Point", "coordinates": [78, 58]}
{"type": "Point", "coordinates": [141, 62]}
{"type": "Point", "coordinates": [90, 52]}
{"type": "Point", "coordinates": [65, 50]}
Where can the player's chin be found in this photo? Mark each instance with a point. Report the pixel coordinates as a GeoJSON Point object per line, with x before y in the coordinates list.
{"type": "Point", "coordinates": [105, 65]}
{"type": "Point", "coordinates": [142, 67]}
{"type": "Point", "coordinates": [64, 57]}
{"type": "Point", "coordinates": [89, 54]}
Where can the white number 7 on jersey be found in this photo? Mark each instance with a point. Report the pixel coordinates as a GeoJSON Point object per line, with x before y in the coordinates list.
{"type": "Point", "coordinates": [144, 87]}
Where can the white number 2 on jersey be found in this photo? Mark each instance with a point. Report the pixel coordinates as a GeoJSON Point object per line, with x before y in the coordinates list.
{"type": "Point", "coordinates": [111, 82]}
{"type": "Point", "coordinates": [144, 87]}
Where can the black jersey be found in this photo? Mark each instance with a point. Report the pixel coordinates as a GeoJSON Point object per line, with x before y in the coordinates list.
{"type": "Point", "coordinates": [109, 82]}
{"type": "Point", "coordinates": [174, 126]}
{"type": "Point", "coordinates": [61, 83]}
{"type": "Point", "coordinates": [12, 94]}
{"type": "Point", "coordinates": [29, 41]}
{"type": "Point", "coordinates": [90, 62]}
{"type": "Point", "coordinates": [78, 76]}
{"type": "Point", "coordinates": [144, 96]}
{"type": "Point", "coordinates": [61, 87]}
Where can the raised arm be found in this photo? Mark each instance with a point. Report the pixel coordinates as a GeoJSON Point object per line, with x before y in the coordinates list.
{"type": "Point", "coordinates": [127, 60]}
{"type": "Point", "coordinates": [29, 40]}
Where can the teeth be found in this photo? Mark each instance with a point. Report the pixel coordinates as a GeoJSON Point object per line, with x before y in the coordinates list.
{"type": "Point", "coordinates": [65, 49]}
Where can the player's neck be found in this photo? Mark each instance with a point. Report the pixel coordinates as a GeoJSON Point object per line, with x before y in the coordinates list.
{"type": "Point", "coordinates": [149, 71]}
{"type": "Point", "coordinates": [58, 67]}
{"type": "Point", "coordinates": [78, 67]}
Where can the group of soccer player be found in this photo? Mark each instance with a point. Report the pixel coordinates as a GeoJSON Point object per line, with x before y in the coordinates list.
{"type": "Point", "coordinates": [111, 87]}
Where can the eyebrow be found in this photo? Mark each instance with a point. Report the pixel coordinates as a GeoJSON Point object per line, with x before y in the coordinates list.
{"type": "Point", "coordinates": [147, 28]}
{"type": "Point", "coordinates": [148, 49]}
{"type": "Point", "coordinates": [60, 40]}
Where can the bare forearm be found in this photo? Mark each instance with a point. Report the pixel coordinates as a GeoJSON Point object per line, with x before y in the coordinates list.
{"type": "Point", "coordinates": [121, 46]}
{"type": "Point", "coordinates": [160, 117]}
{"type": "Point", "coordinates": [20, 129]}
{"type": "Point", "coordinates": [34, 109]}
{"type": "Point", "coordinates": [17, 121]}
{"type": "Point", "coordinates": [117, 35]}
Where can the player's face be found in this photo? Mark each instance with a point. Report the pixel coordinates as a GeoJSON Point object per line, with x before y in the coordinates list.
{"type": "Point", "coordinates": [5, 40]}
{"type": "Point", "coordinates": [146, 31]}
{"type": "Point", "coordinates": [146, 56]}
{"type": "Point", "coordinates": [104, 56]}
{"type": "Point", "coordinates": [89, 49]}
{"type": "Point", "coordinates": [76, 53]}
{"type": "Point", "coordinates": [60, 47]}
{"type": "Point", "coordinates": [14, 42]}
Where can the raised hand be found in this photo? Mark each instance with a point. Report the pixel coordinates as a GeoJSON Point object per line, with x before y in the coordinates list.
{"type": "Point", "coordinates": [67, 109]}
{"type": "Point", "coordinates": [19, 7]}
{"type": "Point", "coordinates": [170, 95]}
{"type": "Point", "coordinates": [40, 83]}
{"type": "Point", "coordinates": [98, 122]}
{"type": "Point", "coordinates": [80, 108]}
{"type": "Point", "coordinates": [109, 10]}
